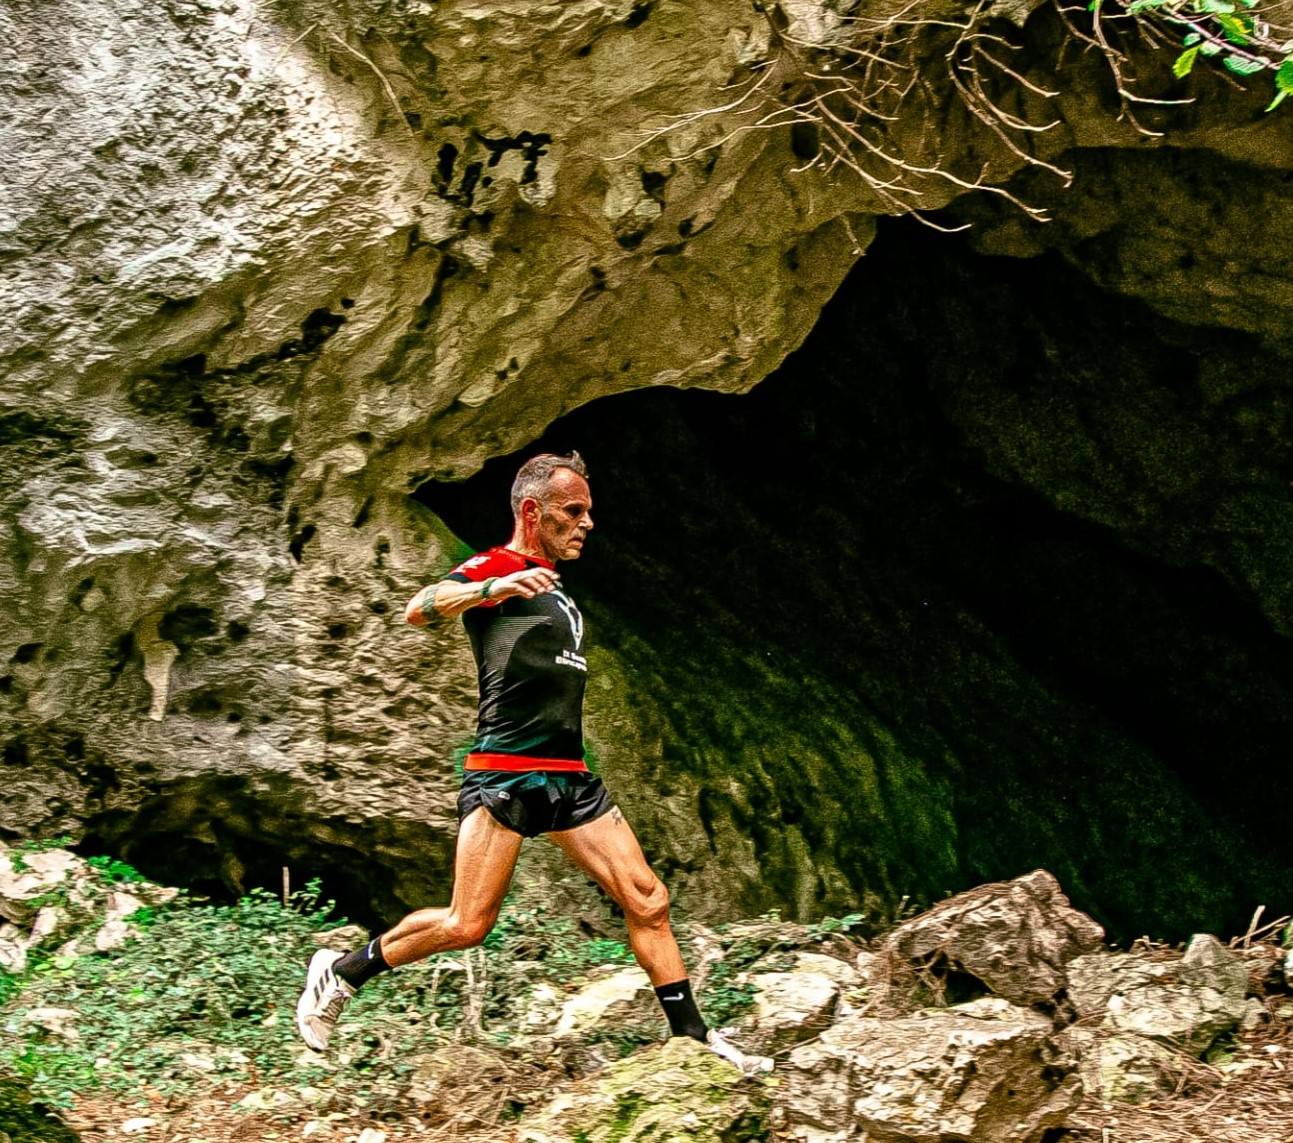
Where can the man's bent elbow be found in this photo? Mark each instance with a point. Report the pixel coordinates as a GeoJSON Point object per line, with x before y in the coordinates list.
{"type": "Point", "coordinates": [414, 613]}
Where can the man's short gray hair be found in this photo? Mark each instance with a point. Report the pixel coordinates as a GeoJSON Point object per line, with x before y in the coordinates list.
{"type": "Point", "coordinates": [535, 473]}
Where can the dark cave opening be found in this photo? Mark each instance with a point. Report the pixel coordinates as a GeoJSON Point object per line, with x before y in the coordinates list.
{"type": "Point", "coordinates": [218, 839]}
{"type": "Point", "coordinates": [950, 506]}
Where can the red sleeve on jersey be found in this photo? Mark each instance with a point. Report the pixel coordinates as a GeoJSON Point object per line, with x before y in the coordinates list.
{"type": "Point", "coordinates": [487, 565]}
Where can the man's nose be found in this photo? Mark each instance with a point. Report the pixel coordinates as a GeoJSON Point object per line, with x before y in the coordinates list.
{"type": "Point", "coordinates": [587, 521]}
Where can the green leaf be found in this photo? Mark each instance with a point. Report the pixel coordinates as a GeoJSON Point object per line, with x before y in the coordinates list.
{"type": "Point", "coordinates": [1274, 103]}
{"type": "Point", "coordinates": [1284, 77]}
{"type": "Point", "coordinates": [1215, 7]}
{"type": "Point", "coordinates": [1184, 62]}
{"type": "Point", "coordinates": [1190, 40]}
{"type": "Point", "coordinates": [1094, 6]}
{"type": "Point", "coordinates": [1209, 49]}
{"type": "Point", "coordinates": [1234, 29]}
{"type": "Point", "coordinates": [1242, 66]}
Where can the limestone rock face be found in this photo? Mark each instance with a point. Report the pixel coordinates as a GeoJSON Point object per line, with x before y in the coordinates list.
{"type": "Point", "coordinates": [1015, 937]}
{"type": "Point", "coordinates": [272, 267]}
{"type": "Point", "coordinates": [270, 270]}
{"type": "Point", "coordinates": [987, 1072]}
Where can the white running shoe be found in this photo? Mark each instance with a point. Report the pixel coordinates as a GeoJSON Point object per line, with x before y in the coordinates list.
{"type": "Point", "coordinates": [748, 1065]}
{"type": "Point", "coordinates": [321, 1003]}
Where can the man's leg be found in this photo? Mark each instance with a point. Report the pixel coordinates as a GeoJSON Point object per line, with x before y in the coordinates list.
{"type": "Point", "coordinates": [484, 858]}
{"type": "Point", "coordinates": [482, 870]}
{"type": "Point", "coordinates": [608, 851]}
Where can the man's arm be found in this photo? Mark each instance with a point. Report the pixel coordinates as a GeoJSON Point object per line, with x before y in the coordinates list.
{"type": "Point", "coordinates": [450, 598]}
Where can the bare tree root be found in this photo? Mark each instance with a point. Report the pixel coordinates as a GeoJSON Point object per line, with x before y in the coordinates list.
{"type": "Point", "coordinates": [876, 99]}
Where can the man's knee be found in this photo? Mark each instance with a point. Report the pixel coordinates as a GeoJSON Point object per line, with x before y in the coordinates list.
{"type": "Point", "coordinates": [468, 932]}
{"type": "Point", "coordinates": [648, 903]}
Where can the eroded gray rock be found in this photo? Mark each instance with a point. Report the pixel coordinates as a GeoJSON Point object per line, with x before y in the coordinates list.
{"type": "Point", "coordinates": [1123, 1067]}
{"type": "Point", "coordinates": [1015, 937]}
{"type": "Point", "coordinates": [674, 1091]}
{"type": "Point", "coordinates": [788, 1007]}
{"type": "Point", "coordinates": [987, 1072]}
{"type": "Point", "coordinates": [1182, 1001]}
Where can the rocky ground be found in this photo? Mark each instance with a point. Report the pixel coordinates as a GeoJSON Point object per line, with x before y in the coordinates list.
{"type": "Point", "coordinates": [133, 1011]}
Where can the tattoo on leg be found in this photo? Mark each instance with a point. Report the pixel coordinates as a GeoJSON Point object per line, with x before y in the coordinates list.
{"type": "Point", "coordinates": [616, 816]}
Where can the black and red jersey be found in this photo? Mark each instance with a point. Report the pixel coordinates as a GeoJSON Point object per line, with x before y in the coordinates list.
{"type": "Point", "coordinates": [531, 670]}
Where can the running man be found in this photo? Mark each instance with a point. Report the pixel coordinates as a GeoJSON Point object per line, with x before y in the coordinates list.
{"type": "Point", "coordinates": [525, 774]}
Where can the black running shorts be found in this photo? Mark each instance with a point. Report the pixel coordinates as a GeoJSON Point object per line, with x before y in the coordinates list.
{"type": "Point", "coordinates": [536, 801]}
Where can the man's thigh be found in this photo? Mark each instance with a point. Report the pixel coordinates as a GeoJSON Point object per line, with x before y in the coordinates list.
{"type": "Point", "coordinates": [607, 850]}
{"type": "Point", "coordinates": [484, 858]}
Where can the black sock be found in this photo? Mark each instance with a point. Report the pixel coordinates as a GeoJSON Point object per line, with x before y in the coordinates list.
{"type": "Point", "coordinates": [680, 1010]}
{"type": "Point", "coordinates": [360, 966]}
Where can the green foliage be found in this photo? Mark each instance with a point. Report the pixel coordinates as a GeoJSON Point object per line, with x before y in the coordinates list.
{"type": "Point", "coordinates": [1231, 31]}
{"type": "Point", "coordinates": [204, 994]}
{"type": "Point", "coordinates": [723, 1000]}
{"type": "Point", "coordinates": [1184, 62]}
{"type": "Point", "coordinates": [222, 977]}
{"type": "Point", "coordinates": [846, 924]}
{"type": "Point", "coordinates": [114, 871]}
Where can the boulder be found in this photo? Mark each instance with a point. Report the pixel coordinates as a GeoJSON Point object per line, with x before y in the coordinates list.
{"type": "Point", "coordinates": [984, 1072]}
{"type": "Point", "coordinates": [13, 949]}
{"type": "Point", "coordinates": [541, 1008]}
{"type": "Point", "coordinates": [1124, 1068]}
{"type": "Point", "coordinates": [1265, 969]}
{"type": "Point", "coordinates": [111, 936]}
{"type": "Point", "coordinates": [1181, 1001]}
{"type": "Point", "coordinates": [844, 974]}
{"type": "Point", "coordinates": [25, 879]}
{"type": "Point", "coordinates": [1010, 938]}
{"type": "Point", "coordinates": [788, 1007]}
{"type": "Point", "coordinates": [121, 905]}
{"type": "Point", "coordinates": [677, 1090]}
{"type": "Point", "coordinates": [452, 1076]}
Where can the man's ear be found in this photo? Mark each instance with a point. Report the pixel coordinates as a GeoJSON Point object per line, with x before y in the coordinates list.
{"type": "Point", "coordinates": [530, 510]}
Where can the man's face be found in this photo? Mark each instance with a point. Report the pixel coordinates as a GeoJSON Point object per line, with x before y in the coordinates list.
{"type": "Point", "coordinates": [565, 516]}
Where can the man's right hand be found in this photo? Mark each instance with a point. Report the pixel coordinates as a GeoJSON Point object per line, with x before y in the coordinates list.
{"type": "Point", "coordinates": [526, 583]}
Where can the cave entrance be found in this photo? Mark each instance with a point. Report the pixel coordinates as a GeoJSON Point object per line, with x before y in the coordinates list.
{"type": "Point", "coordinates": [942, 523]}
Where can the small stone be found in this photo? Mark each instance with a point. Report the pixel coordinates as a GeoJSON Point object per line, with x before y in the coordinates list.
{"type": "Point", "coordinates": [312, 1128]}
{"type": "Point", "coordinates": [1254, 1015]}
{"type": "Point", "coordinates": [137, 1126]}
{"type": "Point", "coordinates": [342, 939]}
{"type": "Point", "coordinates": [56, 1021]}
{"type": "Point", "coordinates": [121, 905]}
{"type": "Point", "coordinates": [371, 1135]}
{"type": "Point", "coordinates": [112, 936]}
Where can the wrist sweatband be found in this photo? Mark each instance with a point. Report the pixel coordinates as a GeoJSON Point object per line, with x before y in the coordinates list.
{"type": "Point", "coordinates": [484, 591]}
